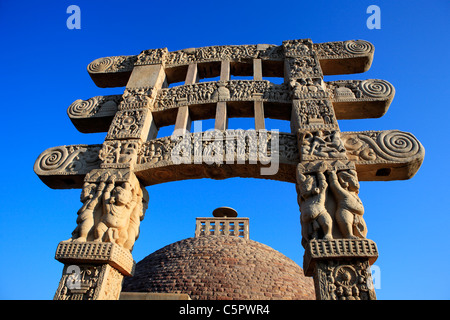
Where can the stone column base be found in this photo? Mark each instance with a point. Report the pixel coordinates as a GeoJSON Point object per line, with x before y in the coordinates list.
{"type": "Point", "coordinates": [92, 270]}
{"type": "Point", "coordinates": [341, 268]}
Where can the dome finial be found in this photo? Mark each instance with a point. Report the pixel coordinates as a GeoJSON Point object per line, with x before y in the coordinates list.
{"type": "Point", "coordinates": [225, 212]}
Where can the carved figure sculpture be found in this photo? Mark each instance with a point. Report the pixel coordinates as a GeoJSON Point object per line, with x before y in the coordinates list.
{"type": "Point", "coordinates": [137, 215]}
{"type": "Point", "coordinates": [91, 199]}
{"type": "Point", "coordinates": [313, 215]}
{"type": "Point", "coordinates": [118, 204]}
{"type": "Point", "coordinates": [349, 211]}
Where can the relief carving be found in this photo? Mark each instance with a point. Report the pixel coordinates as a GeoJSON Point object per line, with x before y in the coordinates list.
{"type": "Point", "coordinates": [100, 106]}
{"type": "Point", "coordinates": [315, 220]}
{"type": "Point", "coordinates": [381, 146]}
{"type": "Point", "coordinates": [313, 114]}
{"type": "Point", "coordinates": [320, 144]}
{"type": "Point", "coordinates": [79, 286]}
{"type": "Point", "coordinates": [209, 92]}
{"type": "Point", "coordinates": [112, 210]}
{"type": "Point", "coordinates": [112, 64]}
{"type": "Point", "coordinates": [308, 88]}
{"type": "Point", "coordinates": [136, 97]}
{"type": "Point", "coordinates": [155, 151]}
{"type": "Point", "coordinates": [295, 48]}
{"type": "Point", "coordinates": [119, 153]}
{"type": "Point", "coordinates": [127, 124]}
{"type": "Point", "coordinates": [344, 280]}
{"type": "Point", "coordinates": [367, 90]}
{"type": "Point", "coordinates": [329, 202]}
{"type": "Point", "coordinates": [303, 67]}
{"type": "Point", "coordinates": [231, 146]}
{"type": "Point", "coordinates": [213, 53]}
{"type": "Point", "coordinates": [151, 56]}
{"type": "Point", "coordinates": [271, 52]}
{"type": "Point", "coordinates": [66, 160]}
{"type": "Point", "coordinates": [345, 188]}
{"type": "Point", "coordinates": [340, 49]}
{"type": "Point", "coordinates": [89, 282]}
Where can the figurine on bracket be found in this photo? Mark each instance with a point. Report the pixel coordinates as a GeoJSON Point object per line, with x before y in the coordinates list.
{"type": "Point", "coordinates": [349, 212]}
{"type": "Point", "coordinates": [118, 203]}
{"type": "Point", "coordinates": [313, 214]}
{"type": "Point", "coordinates": [91, 199]}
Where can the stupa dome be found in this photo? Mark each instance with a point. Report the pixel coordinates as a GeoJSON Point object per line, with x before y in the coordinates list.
{"type": "Point", "coordinates": [214, 267]}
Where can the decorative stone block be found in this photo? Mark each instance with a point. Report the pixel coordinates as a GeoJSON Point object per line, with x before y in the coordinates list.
{"type": "Point", "coordinates": [96, 253]}
{"type": "Point", "coordinates": [89, 282]}
{"type": "Point", "coordinates": [313, 115]}
{"type": "Point", "coordinates": [348, 279]}
{"type": "Point", "coordinates": [130, 124]}
{"type": "Point", "coordinates": [337, 249]}
{"type": "Point", "coordinates": [321, 145]}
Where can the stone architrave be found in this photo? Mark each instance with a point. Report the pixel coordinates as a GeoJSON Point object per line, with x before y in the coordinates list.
{"type": "Point", "coordinates": [324, 163]}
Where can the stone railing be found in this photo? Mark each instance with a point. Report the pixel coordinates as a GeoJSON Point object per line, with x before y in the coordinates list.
{"type": "Point", "coordinates": [222, 227]}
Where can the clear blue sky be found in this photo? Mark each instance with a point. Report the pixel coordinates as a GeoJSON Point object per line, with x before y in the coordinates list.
{"type": "Point", "coordinates": [44, 71]}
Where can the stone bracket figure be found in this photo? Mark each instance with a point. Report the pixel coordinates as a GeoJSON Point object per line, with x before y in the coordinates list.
{"type": "Point", "coordinates": [118, 203]}
{"type": "Point", "coordinates": [91, 199]}
{"type": "Point", "coordinates": [114, 204]}
{"type": "Point", "coordinates": [349, 211]}
{"type": "Point", "coordinates": [314, 217]}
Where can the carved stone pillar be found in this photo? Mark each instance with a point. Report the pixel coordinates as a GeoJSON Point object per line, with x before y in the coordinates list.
{"type": "Point", "coordinates": [98, 255]}
{"type": "Point", "coordinates": [337, 253]}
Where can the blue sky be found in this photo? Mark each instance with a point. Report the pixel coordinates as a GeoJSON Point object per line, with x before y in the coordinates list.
{"type": "Point", "coordinates": [44, 71]}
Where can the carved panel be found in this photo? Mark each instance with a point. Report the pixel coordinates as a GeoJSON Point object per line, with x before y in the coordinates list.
{"type": "Point", "coordinates": [308, 88]}
{"type": "Point", "coordinates": [99, 106]}
{"type": "Point", "coordinates": [213, 53]}
{"type": "Point", "coordinates": [89, 282]}
{"type": "Point", "coordinates": [127, 124]}
{"type": "Point", "coordinates": [152, 56]}
{"type": "Point", "coordinates": [322, 166]}
{"type": "Point", "coordinates": [112, 64]}
{"type": "Point", "coordinates": [316, 145]}
{"type": "Point", "coordinates": [313, 114]}
{"type": "Point", "coordinates": [344, 280]}
{"type": "Point", "coordinates": [217, 147]}
{"type": "Point", "coordinates": [381, 146]}
{"type": "Point", "coordinates": [68, 160]}
{"type": "Point", "coordinates": [367, 90]}
{"type": "Point", "coordinates": [211, 92]}
{"type": "Point", "coordinates": [343, 49]}
{"type": "Point", "coordinates": [296, 48]}
{"type": "Point", "coordinates": [119, 153]}
{"type": "Point", "coordinates": [134, 98]}
{"type": "Point", "coordinates": [303, 67]}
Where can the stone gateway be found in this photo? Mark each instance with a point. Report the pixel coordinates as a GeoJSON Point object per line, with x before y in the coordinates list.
{"type": "Point", "coordinates": [324, 163]}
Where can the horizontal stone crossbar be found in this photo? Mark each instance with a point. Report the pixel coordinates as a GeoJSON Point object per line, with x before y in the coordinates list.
{"type": "Point", "coordinates": [340, 57]}
{"type": "Point", "coordinates": [377, 156]}
{"type": "Point", "coordinates": [352, 99]}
